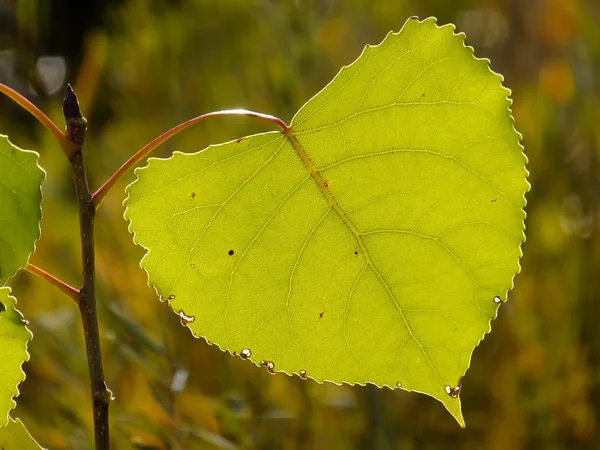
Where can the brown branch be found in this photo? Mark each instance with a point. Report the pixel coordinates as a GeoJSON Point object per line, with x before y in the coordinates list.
{"type": "Point", "coordinates": [57, 282]}
{"type": "Point", "coordinates": [101, 395]}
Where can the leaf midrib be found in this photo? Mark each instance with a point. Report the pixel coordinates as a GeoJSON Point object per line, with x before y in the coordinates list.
{"type": "Point", "coordinates": [312, 169]}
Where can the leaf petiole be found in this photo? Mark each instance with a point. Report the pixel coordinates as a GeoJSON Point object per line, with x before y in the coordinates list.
{"type": "Point", "coordinates": [60, 137]}
{"type": "Point", "coordinates": [99, 195]}
{"type": "Point", "coordinates": [57, 282]}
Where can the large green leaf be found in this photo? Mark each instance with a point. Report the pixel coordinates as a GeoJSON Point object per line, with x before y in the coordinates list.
{"type": "Point", "coordinates": [15, 436]}
{"type": "Point", "coordinates": [372, 243]}
{"type": "Point", "coordinates": [20, 210]}
{"type": "Point", "coordinates": [14, 336]}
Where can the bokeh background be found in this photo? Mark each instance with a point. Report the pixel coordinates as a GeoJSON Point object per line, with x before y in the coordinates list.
{"type": "Point", "coordinates": [140, 67]}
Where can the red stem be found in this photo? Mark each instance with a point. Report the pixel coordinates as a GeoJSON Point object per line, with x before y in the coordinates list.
{"type": "Point", "coordinates": [99, 195]}
{"type": "Point", "coordinates": [60, 137]}
{"type": "Point", "coordinates": [57, 282]}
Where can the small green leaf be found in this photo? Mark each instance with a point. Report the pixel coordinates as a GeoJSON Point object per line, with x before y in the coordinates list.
{"type": "Point", "coordinates": [20, 206]}
{"type": "Point", "coordinates": [370, 244]}
{"type": "Point", "coordinates": [15, 436]}
{"type": "Point", "coordinates": [14, 336]}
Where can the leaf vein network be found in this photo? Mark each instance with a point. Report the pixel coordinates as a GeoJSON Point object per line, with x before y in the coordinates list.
{"type": "Point", "coordinates": [358, 71]}
{"type": "Point", "coordinates": [358, 236]}
{"type": "Point", "coordinates": [260, 232]}
{"type": "Point", "coordinates": [224, 203]}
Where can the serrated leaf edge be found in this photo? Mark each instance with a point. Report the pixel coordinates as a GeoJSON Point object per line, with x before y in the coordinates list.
{"type": "Point", "coordinates": [25, 359]}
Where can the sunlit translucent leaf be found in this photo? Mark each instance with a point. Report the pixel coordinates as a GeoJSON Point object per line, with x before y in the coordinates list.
{"type": "Point", "coordinates": [20, 211]}
{"type": "Point", "coordinates": [374, 243]}
{"type": "Point", "coordinates": [14, 336]}
{"type": "Point", "coordinates": [15, 436]}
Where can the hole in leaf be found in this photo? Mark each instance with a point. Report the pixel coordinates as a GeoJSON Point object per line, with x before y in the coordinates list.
{"type": "Point", "coordinates": [171, 297]}
{"type": "Point", "coordinates": [185, 319]}
{"type": "Point", "coordinates": [452, 391]}
{"type": "Point", "coordinates": [497, 300]}
{"type": "Point", "coordinates": [303, 374]}
{"type": "Point", "coordinates": [246, 353]}
{"type": "Point", "coordinates": [269, 365]}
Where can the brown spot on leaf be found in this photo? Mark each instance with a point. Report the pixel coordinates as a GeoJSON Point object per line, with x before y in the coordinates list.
{"type": "Point", "coordinates": [193, 195]}
{"type": "Point", "coordinates": [494, 200]}
{"type": "Point", "coordinates": [230, 252]}
{"type": "Point", "coordinates": [321, 314]}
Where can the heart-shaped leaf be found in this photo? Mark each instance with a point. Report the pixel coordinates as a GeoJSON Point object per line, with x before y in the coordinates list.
{"type": "Point", "coordinates": [373, 242]}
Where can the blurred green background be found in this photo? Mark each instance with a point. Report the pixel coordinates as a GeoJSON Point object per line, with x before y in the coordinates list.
{"type": "Point", "coordinates": [140, 67]}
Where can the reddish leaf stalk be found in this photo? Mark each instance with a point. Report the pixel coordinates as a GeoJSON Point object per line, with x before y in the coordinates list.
{"type": "Point", "coordinates": [99, 195]}
{"type": "Point", "coordinates": [67, 146]}
{"type": "Point", "coordinates": [57, 282]}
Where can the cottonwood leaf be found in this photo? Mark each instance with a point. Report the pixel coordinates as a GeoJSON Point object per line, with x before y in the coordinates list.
{"type": "Point", "coordinates": [15, 436]}
{"type": "Point", "coordinates": [372, 243]}
{"type": "Point", "coordinates": [20, 206]}
{"type": "Point", "coordinates": [14, 337]}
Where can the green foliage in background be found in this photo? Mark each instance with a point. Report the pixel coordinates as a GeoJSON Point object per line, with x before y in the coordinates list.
{"type": "Point", "coordinates": [369, 243]}
{"type": "Point", "coordinates": [146, 66]}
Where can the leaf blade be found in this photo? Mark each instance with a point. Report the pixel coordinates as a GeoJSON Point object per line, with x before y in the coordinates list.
{"type": "Point", "coordinates": [374, 210]}
{"type": "Point", "coordinates": [14, 436]}
{"type": "Point", "coordinates": [20, 206]}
